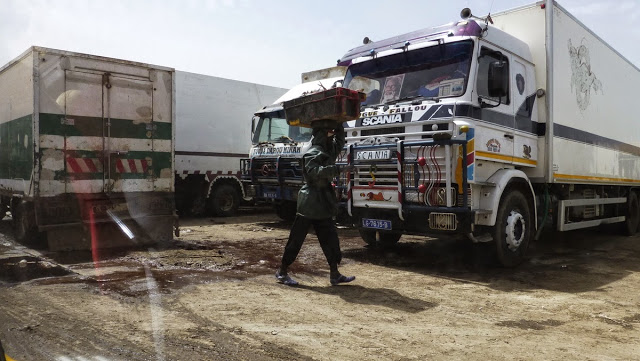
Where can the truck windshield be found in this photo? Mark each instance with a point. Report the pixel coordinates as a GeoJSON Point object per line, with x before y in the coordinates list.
{"type": "Point", "coordinates": [273, 127]}
{"type": "Point", "coordinates": [441, 70]}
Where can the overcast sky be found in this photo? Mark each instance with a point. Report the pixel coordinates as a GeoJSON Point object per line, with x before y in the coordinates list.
{"type": "Point", "coordinates": [262, 41]}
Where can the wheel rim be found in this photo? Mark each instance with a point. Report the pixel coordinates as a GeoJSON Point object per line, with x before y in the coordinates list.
{"type": "Point", "coordinates": [515, 230]}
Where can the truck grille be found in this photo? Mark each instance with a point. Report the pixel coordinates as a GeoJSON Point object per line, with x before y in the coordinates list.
{"type": "Point", "coordinates": [270, 170]}
{"type": "Point", "coordinates": [441, 127]}
{"type": "Point", "coordinates": [377, 175]}
{"type": "Point", "coordinates": [383, 131]}
{"type": "Point", "coordinates": [443, 221]}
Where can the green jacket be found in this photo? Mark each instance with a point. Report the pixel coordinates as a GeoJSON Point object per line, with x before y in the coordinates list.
{"type": "Point", "coordinates": [317, 198]}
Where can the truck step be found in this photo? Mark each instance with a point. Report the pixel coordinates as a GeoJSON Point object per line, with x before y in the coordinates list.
{"type": "Point", "coordinates": [483, 211]}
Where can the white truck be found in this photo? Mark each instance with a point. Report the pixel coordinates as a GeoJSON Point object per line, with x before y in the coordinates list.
{"type": "Point", "coordinates": [86, 149]}
{"type": "Point", "coordinates": [494, 128]}
{"type": "Point", "coordinates": [212, 131]}
{"type": "Point", "coordinates": [272, 173]}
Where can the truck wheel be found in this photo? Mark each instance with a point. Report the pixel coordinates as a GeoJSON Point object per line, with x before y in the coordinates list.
{"type": "Point", "coordinates": [513, 228]}
{"type": "Point", "coordinates": [3, 210]}
{"type": "Point", "coordinates": [225, 200]}
{"type": "Point", "coordinates": [286, 210]}
{"type": "Point", "coordinates": [632, 215]}
{"type": "Point", "coordinates": [387, 239]}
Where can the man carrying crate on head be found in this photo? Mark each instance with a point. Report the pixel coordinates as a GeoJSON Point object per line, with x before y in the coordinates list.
{"type": "Point", "coordinates": [317, 204]}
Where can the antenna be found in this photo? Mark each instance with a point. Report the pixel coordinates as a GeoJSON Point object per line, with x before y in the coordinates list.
{"type": "Point", "coordinates": [488, 19]}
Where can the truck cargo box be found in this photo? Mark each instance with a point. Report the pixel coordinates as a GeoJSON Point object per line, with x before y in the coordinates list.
{"type": "Point", "coordinates": [589, 86]}
{"type": "Point", "coordinates": [86, 140]}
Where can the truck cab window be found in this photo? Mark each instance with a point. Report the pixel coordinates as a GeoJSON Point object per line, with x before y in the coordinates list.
{"type": "Point", "coordinates": [487, 57]}
{"type": "Point", "coordinates": [274, 128]}
{"type": "Point", "coordinates": [437, 71]}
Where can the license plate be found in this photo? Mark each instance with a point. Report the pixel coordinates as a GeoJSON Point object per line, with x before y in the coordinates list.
{"type": "Point", "coordinates": [373, 154]}
{"type": "Point", "coordinates": [376, 223]}
{"type": "Point", "coordinates": [270, 195]}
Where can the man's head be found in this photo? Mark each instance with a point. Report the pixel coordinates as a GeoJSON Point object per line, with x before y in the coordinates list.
{"type": "Point", "coordinates": [323, 131]}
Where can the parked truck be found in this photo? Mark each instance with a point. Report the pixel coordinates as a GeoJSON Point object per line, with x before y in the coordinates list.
{"type": "Point", "coordinates": [495, 128]}
{"type": "Point", "coordinates": [86, 146]}
{"type": "Point", "coordinates": [211, 137]}
{"type": "Point", "coordinates": [273, 173]}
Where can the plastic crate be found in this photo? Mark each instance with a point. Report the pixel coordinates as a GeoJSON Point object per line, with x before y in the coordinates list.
{"type": "Point", "coordinates": [338, 104]}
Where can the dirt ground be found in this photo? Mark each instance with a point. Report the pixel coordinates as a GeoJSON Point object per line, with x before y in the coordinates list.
{"type": "Point", "coordinates": [211, 295]}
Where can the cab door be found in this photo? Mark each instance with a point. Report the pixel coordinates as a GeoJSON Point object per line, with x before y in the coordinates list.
{"type": "Point", "coordinates": [495, 117]}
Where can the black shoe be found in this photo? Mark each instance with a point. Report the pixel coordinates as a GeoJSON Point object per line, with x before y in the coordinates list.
{"type": "Point", "coordinates": [341, 279]}
{"type": "Point", "coordinates": [285, 279]}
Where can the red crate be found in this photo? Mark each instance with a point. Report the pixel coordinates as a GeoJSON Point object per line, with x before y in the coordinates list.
{"type": "Point", "coordinates": [339, 104]}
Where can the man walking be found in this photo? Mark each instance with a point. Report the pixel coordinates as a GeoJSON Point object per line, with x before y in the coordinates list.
{"type": "Point", "coordinates": [317, 204]}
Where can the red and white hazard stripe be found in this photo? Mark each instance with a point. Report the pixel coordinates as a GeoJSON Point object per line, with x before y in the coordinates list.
{"type": "Point", "coordinates": [84, 165]}
{"type": "Point", "coordinates": [132, 165]}
{"type": "Point", "coordinates": [211, 174]}
{"type": "Point", "coordinates": [94, 165]}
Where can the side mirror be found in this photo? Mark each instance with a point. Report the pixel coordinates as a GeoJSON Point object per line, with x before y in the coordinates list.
{"type": "Point", "coordinates": [498, 79]}
{"type": "Point", "coordinates": [253, 126]}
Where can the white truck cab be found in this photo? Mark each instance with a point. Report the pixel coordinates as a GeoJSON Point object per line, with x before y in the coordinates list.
{"type": "Point", "coordinates": [273, 173]}
{"type": "Point", "coordinates": [458, 132]}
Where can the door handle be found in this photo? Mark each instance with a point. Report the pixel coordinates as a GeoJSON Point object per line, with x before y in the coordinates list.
{"type": "Point", "coordinates": [509, 136]}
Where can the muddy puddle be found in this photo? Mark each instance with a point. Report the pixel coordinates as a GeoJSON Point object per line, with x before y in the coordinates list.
{"type": "Point", "coordinates": [180, 263]}
{"type": "Point", "coordinates": [22, 269]}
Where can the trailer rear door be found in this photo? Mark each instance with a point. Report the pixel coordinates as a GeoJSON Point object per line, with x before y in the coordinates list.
{"type": "Point", "coordinates": [129, 128]}
{"type": "Point", "coordinates": [109, 146]}
{"type": "Point", "coordinates": [84, 134]}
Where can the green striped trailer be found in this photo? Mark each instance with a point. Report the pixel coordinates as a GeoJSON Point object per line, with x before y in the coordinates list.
{"type": "Point", "coordinates": [86, 149]}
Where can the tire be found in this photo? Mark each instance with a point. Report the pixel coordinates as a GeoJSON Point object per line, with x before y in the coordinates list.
{"type": "Point", "coordinates": [513, 230]}
{"type": "Point", "coordinates": [2, 357]}
{"type": "Point", "coordinates": [632, 215]}
{"type": "Point", "coordinates": [286, 210]}
{"type": "Point", "coordinates": [24, 227]}
{"type": "Point", "coordinates": [3, 210]}
{"type": "Point", "coordinates": [387, 239]}
{"type": "Point", "coordinates": [225, 200]}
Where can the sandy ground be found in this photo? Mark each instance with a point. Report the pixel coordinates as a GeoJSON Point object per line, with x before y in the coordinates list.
{"type": "Point", "coordinates": [211, 295]}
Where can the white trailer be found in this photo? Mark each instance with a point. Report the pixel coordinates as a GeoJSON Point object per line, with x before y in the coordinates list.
{"type": "Point", "coordinates": [212, 135]}
{"type": "Point", "coordinates": [498, 127]}
{"type": "Point", "coordinates": [86, 144]}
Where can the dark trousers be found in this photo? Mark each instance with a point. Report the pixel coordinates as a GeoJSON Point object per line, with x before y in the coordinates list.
{"type": "Point", "coordinates": [327, 235]}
